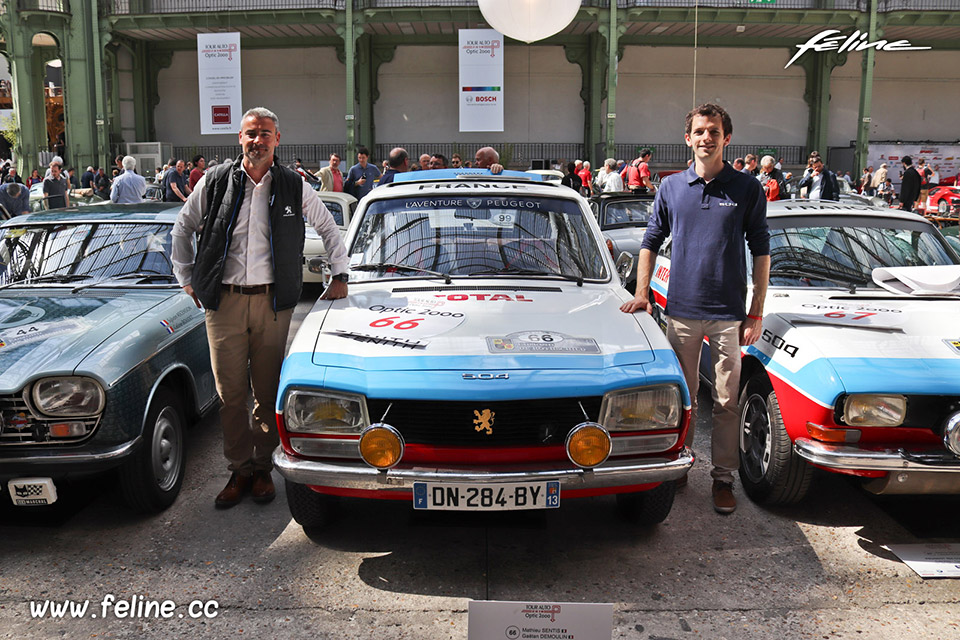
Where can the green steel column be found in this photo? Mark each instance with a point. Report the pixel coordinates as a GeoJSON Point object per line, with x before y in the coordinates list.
{"type": "Point", "coordinates": [596, 73]}
{"type": "Point", "coordinates": [866, 94]}
{"type": "Point", "coordinates": [364, 63]}
{"type": "Point", "coordinates": [100, 36]}
{"type": "Point", "coordinates": [613, 44]}
{"type": "Point", "coordinates": [349, 44]}
{"type": "Point", "coordinates": [141, 90]}
{"type": "Point", "coordinates": [817, 95]}
{"type": "Point", "coordinates": [83, 86]}
{"type": "Point", "coordinates": [28, 103]}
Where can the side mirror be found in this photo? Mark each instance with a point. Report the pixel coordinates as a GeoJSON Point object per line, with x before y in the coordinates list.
{"type": "Point", "coordinates": [624, 267]}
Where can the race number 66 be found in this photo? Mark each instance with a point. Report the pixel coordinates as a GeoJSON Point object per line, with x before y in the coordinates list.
{"type": "Point", "coordinates": [413, 323]}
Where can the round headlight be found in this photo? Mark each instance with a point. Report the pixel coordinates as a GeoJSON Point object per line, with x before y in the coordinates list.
{"type": "Point", "coordinates": [69, 396]}
{"type": "Point", "coordinates": [588, 445]}
{"type": "Point", "coordinates": [381, 446]}
{"type": "Point", "coordinates": [951, 435]}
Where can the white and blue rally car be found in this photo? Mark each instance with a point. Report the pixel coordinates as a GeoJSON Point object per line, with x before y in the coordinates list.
{"type": "Point", "coordinates": [858, 367]}
{"type": "Point", "coordinates": [480, 361]}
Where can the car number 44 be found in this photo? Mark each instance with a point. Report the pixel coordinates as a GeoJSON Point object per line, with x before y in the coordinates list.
{"type": "Point", "coordinates": [489, 497]}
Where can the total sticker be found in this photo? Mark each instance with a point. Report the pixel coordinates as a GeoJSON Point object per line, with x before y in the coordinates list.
{"type": "Point", "coordinates": [953, 344]}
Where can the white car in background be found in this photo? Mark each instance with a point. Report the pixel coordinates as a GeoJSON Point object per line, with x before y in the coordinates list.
{"type": "Point", "coordinates": [341, 206]}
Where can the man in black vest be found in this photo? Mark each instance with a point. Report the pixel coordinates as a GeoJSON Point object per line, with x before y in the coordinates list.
{"type": "Point", "coordinates": [909, 185]}
{"type": "Point", "coordinates": [247, 274]}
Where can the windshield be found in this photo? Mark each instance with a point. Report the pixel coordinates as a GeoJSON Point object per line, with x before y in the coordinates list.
{"type": "Point", "coordinates": [477, 235]}
{"type": "Point", "coordinates": [88, 251]}
{"type": "Point", "coordinates": [627, 213]}
{"type": "Point", "coordinates": [336, 210]}
{"type": "Point", "coordinates": [828, 256]}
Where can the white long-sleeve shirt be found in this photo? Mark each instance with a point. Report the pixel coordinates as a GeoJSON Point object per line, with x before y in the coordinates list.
{"type": "Point", "coordinates": [249, 258]}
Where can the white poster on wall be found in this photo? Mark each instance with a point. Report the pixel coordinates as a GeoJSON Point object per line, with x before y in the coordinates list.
{"type": "Point", "coordinates": [481, 80]}
{"type": "Point", "coordinates": [218, 63]}
{"type": "Point", "coordinates": [944, 156]}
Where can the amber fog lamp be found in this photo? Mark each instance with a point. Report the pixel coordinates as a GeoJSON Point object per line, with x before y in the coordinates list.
{"type": "Point", "coordinates": [381, 446]}
{"type": "Point", "coordinates": [588, 445]}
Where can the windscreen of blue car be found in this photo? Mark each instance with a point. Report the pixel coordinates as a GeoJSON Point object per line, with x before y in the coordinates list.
{"type": "Point", "coordinates": [479, 235]}
{"type": "Point", "coordinates": [828, 256]}
{"type": "Point", "coordinates": [87, 251]}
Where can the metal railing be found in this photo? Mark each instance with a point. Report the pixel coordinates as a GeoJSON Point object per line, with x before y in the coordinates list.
{"type": "Point", "coordinates": [142, 7]}
{"type": "Point", "coordinates": [56, 6]}
{"type": "Point", "coordinates": [312, 155]}
{"type": "Point", "coordinates": [678, 154]}
{"type": "Point", "coordinates": [519, 155]}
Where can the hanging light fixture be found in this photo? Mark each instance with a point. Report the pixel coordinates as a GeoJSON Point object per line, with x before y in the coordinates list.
{"type": "Point", "coordinates": [529, 20]}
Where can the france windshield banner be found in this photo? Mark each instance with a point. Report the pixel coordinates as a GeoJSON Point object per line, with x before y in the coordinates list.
{"type": "Point", "coordinates": [481, 80]}
{"type": "Point", "coordinates": [218, 63]}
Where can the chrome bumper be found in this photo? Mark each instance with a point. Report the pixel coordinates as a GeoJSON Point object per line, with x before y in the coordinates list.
{"type": "Point", "coordinates": [358, 475]}
{"type": "Point", "coordinates": [845, 457]}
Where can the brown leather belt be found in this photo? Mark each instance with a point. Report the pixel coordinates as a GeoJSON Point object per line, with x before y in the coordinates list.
{"type": "Point", "coordinates": [248, 291]}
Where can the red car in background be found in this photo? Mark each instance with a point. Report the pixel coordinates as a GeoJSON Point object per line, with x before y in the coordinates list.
{"type": "Point", "coordinates": [943, 201]}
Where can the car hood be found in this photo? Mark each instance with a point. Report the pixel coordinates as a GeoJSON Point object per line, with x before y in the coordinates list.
{"type": "Point", "coordinates": [872, 340]}
{"type": "Point", "coordinates": [499, 326]}
{"type": "Point", "coordinates": [626, 239]}
{"type": "Point", "coordinates": [53, 331]}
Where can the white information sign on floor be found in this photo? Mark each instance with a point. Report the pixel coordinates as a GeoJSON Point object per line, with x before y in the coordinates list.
{"type": "Point", "coordinates": [488, 620]}
{"type": "Point", "coordinates": [934, 560]}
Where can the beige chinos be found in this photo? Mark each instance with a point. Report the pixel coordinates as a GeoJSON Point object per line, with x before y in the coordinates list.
{"type": "Point", "coordinates": [246, 329]}
{"type": "Point", "coordinates": [686, 338]}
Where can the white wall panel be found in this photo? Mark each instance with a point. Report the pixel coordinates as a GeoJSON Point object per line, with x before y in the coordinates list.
{"type": "Point", "coordinates": [915, 97]}
{"type": "Point", "coordinates": [304, 87]}
{"type": "Point", "coordinates": [418, 97]}
{"type": "Point", "coordinates": [656, 84]}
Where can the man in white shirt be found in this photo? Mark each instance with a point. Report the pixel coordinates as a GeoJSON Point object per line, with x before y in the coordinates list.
{"type": "Point", "coordinates": [610, 180]}
{"type": "Point", "coordinates": [247, 273]}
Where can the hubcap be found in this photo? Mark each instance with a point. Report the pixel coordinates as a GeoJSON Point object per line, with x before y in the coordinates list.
{"type": "Point", "coordinates": [942, 206]}
{"type": "Point", "coordinates": [166, 449]}
{"type": "Point", "coordinates": [755, 442]}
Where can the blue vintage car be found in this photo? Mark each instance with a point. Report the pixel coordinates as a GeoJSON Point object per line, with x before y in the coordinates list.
{"type": "Point", "coordinates": [103, 359]}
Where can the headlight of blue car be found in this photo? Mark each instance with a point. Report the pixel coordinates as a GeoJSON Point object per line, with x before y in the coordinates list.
{"type": "Point", "coordinates": [874, 410]}
{"type": "Point", "coordinates": [641, 409]}
{"type": "Point", "coordinates": [68, 397]}
{"type": "Point", "coordinates": [325, 412]}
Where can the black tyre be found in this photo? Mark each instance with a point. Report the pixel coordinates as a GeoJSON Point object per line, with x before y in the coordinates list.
{"type": "Point", "coordinates": [647, 507]}
{"type": "Point", "coordinates": [770, 471]}
{"type": "Point", "coordinates": [310, 509]}
{"type": "Point", "coordinates": [151, 479]}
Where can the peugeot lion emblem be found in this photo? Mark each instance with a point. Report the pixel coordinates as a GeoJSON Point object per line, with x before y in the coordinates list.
{"type": "Point", "coordinates": [484, 421]}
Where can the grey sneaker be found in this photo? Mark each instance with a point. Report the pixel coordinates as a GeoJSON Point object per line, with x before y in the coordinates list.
{"type": "Point", "coordinates": [723, 500]}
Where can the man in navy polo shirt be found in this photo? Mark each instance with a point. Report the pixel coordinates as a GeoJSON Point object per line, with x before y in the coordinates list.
{"type": "Point", "coordinates": [709, 209]}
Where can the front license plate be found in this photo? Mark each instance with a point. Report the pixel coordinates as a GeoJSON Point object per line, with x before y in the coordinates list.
{"type": "Point", "coordinates": [32, 492]}
{"type": "Point", "coordinates": [435, 496]}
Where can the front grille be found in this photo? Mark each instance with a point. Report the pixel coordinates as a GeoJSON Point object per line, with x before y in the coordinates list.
{"type": "Point", "coordinates": [19, 425]}
{"type": "Point", "coordinates": [512, 423]}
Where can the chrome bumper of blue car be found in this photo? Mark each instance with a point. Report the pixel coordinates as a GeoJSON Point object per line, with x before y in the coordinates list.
{"type": "Point", "coordinates": [835, 456]}
{"type": "Point", "coordinates": [346, 474]}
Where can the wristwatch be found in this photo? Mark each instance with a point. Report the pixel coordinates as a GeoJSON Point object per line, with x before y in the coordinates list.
{"type": "Point", "coordinates": [342, 277]}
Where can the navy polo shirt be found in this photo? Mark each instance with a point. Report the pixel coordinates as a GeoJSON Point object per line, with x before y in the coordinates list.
{"type": "Point", "coordinates": [709, 222]}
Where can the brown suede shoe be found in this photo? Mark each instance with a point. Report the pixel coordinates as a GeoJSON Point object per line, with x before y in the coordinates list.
{"type": "Point", "coordinates": [262, 490]}
{"type": "Point", "coordinates": [723, 500]}
{"type": "Point", "coordinates": [233, 492]}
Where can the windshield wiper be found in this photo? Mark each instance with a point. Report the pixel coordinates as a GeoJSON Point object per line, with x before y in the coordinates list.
{"type": "Point", "coordinates": [809, 273]}
{"type": "Point", "coordinates": [530, 272]}
{"type": "Point", "coordinates": [50, 277]}
{"type": "Point", "coordinates": [143, 276]}
{"type": "Point", "coordinates": [383, 266]}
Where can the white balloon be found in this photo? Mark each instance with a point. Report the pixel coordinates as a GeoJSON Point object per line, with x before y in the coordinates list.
{"type": "Point", "coordinates": [529, 20]}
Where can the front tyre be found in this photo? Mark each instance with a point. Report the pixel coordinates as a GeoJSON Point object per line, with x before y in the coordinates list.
{"type": "Point", "coordinates": [770, 471]}
{"type": "Point", "coordinates": [151, 479]}
{"type": "Point", "coordinates": [647, 507]}
{"type": "Point", "coordinates": [310, 509]}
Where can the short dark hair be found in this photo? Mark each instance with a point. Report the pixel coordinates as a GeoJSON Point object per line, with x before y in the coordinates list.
{"type": "Point", "coordinates": [397, 158]}
{"type": "Point", "coordinates": [336, 155]}
{"type": "Point", "coordinates": [710, 110]}
{"type": "Point", "coordinates": [907, 160]}
{"type": "Point", "coordinates": [197, 158]}
{"type": "Point", "coordinates": [442, 158]}
{"type": "Point", "coordinates": [362, 149]}
{"type": "Point", "coordinates": [14, 188]}
{"type": "Point", "coordinates": [645, 152]}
